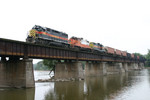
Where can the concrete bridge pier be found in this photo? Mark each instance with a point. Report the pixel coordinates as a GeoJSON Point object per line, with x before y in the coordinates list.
{"type": "Point", "coordinates": [105, 66]}
{"type": "Point", "coordinates": [95, 69]}
{"type": "Point", "coordinates": [120, 67]}
{"type": "Point", "coordinates": [130, 66]}
{"type": "Point", "coordinates": [135, 66]}
{"type": "Point", "coordinates": [125, 66]}
{"type": "Point", "coordinates": [141, 65]}
{"type": "Point", "coordinates": [69, 71]}
{"type": "Point", "coordinates": [115, 68]}
{"type": "Point", "coordinates": [16, 73]}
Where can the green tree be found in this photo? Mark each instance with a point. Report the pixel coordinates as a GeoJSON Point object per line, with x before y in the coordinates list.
{"type": "Point", "coordinates": [138, 54]}
{"type": "Point", "coordinates": [50, 63]}
{"type": "Point", "coordinates": [40, 66]}
{"type": "Point", "coordinates": [148, 58]}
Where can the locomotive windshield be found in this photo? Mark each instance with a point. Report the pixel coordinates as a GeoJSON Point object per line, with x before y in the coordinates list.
{"type": "Point", "coordinates": [38, 28]}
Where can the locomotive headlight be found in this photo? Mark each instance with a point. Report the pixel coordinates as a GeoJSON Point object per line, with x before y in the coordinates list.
{"type": "Point", "coordinates": [32, 33]}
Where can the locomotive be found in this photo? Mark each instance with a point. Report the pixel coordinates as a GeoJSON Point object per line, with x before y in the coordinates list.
{"type": "Point", "coordinates": [50, 37]}
{"type": "Point", "coordinates": [79, 43]}
{"type": "Point", "coordinates": [97, 46]}
{"type": "Point", "coordinates": [47, 36]}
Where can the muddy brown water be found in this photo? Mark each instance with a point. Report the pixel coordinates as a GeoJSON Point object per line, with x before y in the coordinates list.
{"type": "Point", "coordinates": [133, 85]}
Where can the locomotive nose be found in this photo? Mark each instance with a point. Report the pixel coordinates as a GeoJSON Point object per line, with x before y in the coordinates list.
{"type": "Point", "coordinates": [32, 33]}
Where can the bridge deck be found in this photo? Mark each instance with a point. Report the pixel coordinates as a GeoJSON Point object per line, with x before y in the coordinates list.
{"type": "Point", "coordinates": [9, 48]}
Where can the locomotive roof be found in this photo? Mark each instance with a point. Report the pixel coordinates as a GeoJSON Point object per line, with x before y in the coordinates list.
{"type": "Point", "coordinates": [49, 29]}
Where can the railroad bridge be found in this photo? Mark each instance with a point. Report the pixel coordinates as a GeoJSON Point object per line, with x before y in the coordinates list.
{"type": "Point", "coordinates": [17, 70]}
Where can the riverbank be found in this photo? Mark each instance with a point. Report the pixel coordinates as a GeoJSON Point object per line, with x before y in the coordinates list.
{"type": "Point", "coordinates": [58, 80]}
{"type": "Point", "coordinates": [147, 67]}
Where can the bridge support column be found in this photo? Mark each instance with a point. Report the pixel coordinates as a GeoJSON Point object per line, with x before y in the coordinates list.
{"type": "Point", "coordinates": [125, 66]}
{"type": "Point", "coordinates": [95, 69]}
{"type": "Point", "coordinates": [130, 66]}
{"type": "Point", "coordinates": [115, 68]}
{"type": "Point", "coordinates": [104, 65]}
{"type": "Point", "coordinates": [69, 70]}
{"type": "Point", "coordinates": [16, 73]}
{"type": "Point", "coordinates": [121, 68]}
{"type": "Point", "coordinates": [135, 66]}
{"type": "Point", "coordinates": [141, 65]}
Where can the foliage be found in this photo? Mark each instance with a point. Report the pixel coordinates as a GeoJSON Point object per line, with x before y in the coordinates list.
{"type": "Point", "coordinates": [40, 66]}
{"type": "Point", "coordinates": [148, 58]}
{"type": "Point", "coordinates": [50, 63]}
{"type": "Point", "coordinates": [138, 54]}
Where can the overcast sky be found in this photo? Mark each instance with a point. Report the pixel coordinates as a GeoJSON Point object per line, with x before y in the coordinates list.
{"type": "Point", "coordinates": [121, 24]}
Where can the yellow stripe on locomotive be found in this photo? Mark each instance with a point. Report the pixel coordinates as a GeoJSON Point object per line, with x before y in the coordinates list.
{"type": "Point", "coordinates": [32, 33]}
{"type": "Point", "coordinates": [91, 45]}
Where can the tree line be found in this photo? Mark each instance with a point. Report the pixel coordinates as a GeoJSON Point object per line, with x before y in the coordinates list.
{"type": "Point", "coordinates": [146, 57]}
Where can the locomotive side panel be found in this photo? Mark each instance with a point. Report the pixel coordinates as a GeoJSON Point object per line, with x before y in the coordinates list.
{"type": "Point", "coordinates": [79, 42]}
{"type": "Point", "coordinates": [47, 36]}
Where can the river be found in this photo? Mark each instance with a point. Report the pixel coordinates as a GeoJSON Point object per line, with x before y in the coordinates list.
{"type": "Point", "coordinates": [133, 85]}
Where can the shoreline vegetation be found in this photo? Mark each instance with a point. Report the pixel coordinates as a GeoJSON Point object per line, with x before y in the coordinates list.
{"type": "Point", "coordinates": [40, 67]}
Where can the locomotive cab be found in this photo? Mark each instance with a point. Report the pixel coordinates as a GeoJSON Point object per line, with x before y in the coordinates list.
{"type": "Point", "coordinates": [97, 47]}
{"type": "Point", "coordinates": [32, 34]}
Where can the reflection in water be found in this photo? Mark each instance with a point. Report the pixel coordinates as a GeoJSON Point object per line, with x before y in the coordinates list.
{"type": "Point", "coordinates": [100, 88]}
{"type": "Point", "coordinates": [109, 87]}
{"type": "Point", "coordinates": [66, 91]}
{"type": "Point", "coordinates": [17, 94]}
{"type": "Point", "coordinates": [128, 86]}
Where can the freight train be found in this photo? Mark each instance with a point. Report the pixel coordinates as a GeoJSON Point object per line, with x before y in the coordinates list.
{"type": "Point", "coordinates": [51, 37]}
